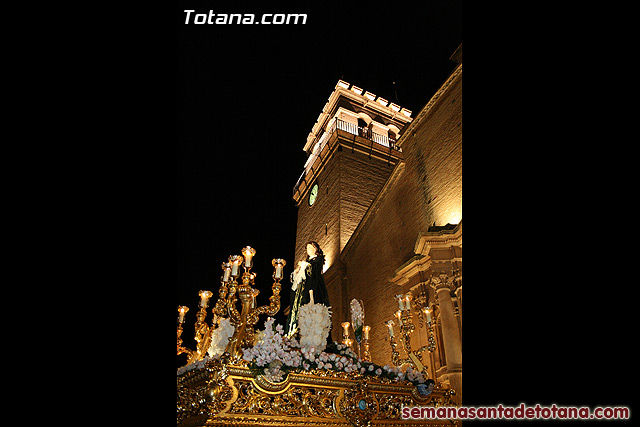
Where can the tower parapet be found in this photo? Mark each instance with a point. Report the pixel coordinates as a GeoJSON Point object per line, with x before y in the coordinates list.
{"type": "Point", "coordinates": [357, 119]}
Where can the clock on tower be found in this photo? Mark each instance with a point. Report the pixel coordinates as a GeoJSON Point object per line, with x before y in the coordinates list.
{"type": "Point", "coordinates": [351, 154]}
{"type": "Point", "coordinates": [313, 194]}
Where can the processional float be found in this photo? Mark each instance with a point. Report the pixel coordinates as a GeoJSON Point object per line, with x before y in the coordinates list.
{"type": "Point", "coordinates": [237, 376]}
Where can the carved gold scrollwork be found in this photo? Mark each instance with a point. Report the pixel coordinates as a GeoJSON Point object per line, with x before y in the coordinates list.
{"type": "Point", "coordinates": [391, 405]}
{"type": "Point", "coordinates": [297, 401]}
{"type": "Point", "coordinates": [222, 394]}
{"type": "Point", "coordinates": [220, 391]}
{"type": "Point", "coordinates": [206, 393]}
{"type": "Point", "coordinates": [359, 405]}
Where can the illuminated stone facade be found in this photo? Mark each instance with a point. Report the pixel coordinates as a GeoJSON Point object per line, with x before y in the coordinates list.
{"type": "Point", "coordinates": [388, 214]}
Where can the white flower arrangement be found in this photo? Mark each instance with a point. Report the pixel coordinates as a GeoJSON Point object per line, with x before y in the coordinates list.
{"type": "Point", "coordinates": [273, 354]}
{"type": "Point", "coordinates": [357, 318]}
{"type": "Point", "coordinates": [220, 337]}
{"type": "Point", "coordinates": [314, 321]}
{"type": "Point", "coordinates": [273, 350]}
{"type": "Point", "coordinates": [347, 361]}
{"type": "Point", "coordinates": [199, 364]}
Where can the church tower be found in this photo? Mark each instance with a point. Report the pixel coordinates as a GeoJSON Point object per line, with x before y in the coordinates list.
{"type": "Point", "coordinates": [351, 153]}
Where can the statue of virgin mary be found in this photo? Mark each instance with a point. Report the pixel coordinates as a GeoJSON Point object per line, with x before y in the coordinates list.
{"type": "Point", "coordinates": [307, 277]}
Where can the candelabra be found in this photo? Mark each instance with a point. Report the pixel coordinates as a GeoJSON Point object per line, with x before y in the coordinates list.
{"type": "Point", "coordinates": [366, 354]}
{"type": "Point", "coordinates": [202, 333]}
{"type": "Point", "coordinates": [226, 306]}
{"type": "Point", "coordinates": [345, 334]}
{"type": "Point", "coordinates": [414, 357]}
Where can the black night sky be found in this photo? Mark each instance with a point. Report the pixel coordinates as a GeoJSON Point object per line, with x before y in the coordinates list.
{"type": "Point", "coordinates": [247, 98]}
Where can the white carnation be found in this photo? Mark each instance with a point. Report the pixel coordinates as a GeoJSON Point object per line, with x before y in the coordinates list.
{"type": "Point", "coordinates": [314, 321]}
{"type": "Point", "coordinates": [220, 337]}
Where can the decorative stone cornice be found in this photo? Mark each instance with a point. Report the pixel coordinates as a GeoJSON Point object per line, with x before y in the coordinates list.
{"type": "Point", "coordinates": [438, 239]}
{"type": "Point", "coordinates": [423, 260]}
{"type": "Point", "coordinates": [416, 265]}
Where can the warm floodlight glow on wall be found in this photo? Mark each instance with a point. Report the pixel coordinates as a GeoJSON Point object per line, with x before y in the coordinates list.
{"type": "Point", "coordinates": [455, 216]}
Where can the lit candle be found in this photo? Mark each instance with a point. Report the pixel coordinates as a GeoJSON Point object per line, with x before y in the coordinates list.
{"type": "Point", "coordinates": [400, 306]}
{"type": "Point", "coordinates": [407, 298]}
{"type": "Point", "coordinates": [254, 295]}
{"type": "Point", "coordinates": [399, 315]}
{"type": "Point", "coordinates": [182, 310]}
{"type": "Point", "coordinates": [345, 327]}
{"type": "Point", "coordinates": [248, 253]}
{"type": "Point", "coordinates": [390, 326]}
{"type": "Point", "coordinates": [428, 313]}
{"type": "Point", "coordinates": [227, 271]}
{"type": "Point", "coordinates": [311, 296]}
{"type": "Point", "coordinates": [365, 332]}
{"type": "Point", "coordinates": [279, 264]}
{"type": "Point", "coordinates": [235, 261]}
{"type": "Point", "coordinates": [204, 297]}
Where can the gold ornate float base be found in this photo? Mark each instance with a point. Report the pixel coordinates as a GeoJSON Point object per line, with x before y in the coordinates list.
{"type": "Point", "coordinates": [221, 394]}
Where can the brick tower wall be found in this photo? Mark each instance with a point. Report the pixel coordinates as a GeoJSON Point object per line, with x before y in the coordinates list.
{"type": "Point", "coordinates": [426, 189]}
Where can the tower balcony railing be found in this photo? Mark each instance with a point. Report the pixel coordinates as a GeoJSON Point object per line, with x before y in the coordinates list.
{"type": "Point", "coordinates": [354, 129]}
{"type": "Point", "coordinates": [365, 132]}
